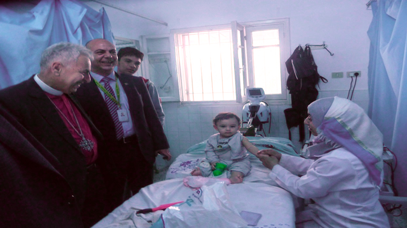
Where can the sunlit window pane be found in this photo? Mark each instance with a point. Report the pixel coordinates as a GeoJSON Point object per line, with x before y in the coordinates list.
{"type": "Point", "coordinates": [224, 36]}
{"type": "Point", "coordinates": [203, 38]}
{"type": "Point", "coordinates": [265, 37]}
{"type": "Point", "coordinates": [214, 37]}
{"type": "Point", "coordinates": [267, 72]}
{"type": "Point", "coordinates": [193, 39]}
{"type": "Point", "coordinates": [206, 66]}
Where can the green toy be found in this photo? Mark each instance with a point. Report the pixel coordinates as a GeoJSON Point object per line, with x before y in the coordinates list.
{"type": "Point", "coordinates": [219, 169]}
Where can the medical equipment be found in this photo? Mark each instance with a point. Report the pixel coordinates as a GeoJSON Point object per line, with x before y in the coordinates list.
{"type": "Point", "coordinates": [256, 112]}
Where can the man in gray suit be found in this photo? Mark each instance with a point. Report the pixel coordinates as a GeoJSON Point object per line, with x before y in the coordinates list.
{"type": "Point", "coordinates": [121, 108]}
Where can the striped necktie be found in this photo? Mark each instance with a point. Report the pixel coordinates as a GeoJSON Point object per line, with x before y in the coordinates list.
{"type": "Point", "coordinates": [113, 107]}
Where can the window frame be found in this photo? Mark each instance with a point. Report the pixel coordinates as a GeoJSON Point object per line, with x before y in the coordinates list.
{"type": "Point", "coordinates": [121, 42]}
{"type": "Point", "coordinates": [240, 64]}
{"type": "Point", "coordinates": [174, 95]}
{"type": "Point", "coordinates": [234, 26]}
{"type": "Point", "coordinates": [284, 32]}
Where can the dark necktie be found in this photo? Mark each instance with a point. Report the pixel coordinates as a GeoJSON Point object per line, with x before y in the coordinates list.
{"type": "Point", "coordinates": [113, 107]}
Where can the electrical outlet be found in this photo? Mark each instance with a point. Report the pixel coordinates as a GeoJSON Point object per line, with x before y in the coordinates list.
{"type": "Point", "coordinates": [353, 74]}
{"type": "Point", "coordinates": [337, 74]}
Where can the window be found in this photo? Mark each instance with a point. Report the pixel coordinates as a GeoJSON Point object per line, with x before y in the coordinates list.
{"type": "Point", "coordinates": [266, 60]}
{"type": "Point", "coordinates": [205, 64]}
{"type": "Point", "coordinates": [267, 51]}
{"type": "Point", "coordinates": [218, 63]}
{"type": "Point", "coordinates": [159, 64]}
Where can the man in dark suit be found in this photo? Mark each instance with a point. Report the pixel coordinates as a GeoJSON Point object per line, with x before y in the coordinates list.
{"type": "Point", "coordinates": [121, 108]}
{"type": "Point", "coordinates": [44, 106]}
{"type": "Point", "coordinates": [34, 191]}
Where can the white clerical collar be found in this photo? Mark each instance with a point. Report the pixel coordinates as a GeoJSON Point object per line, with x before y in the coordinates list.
{"type": "Point", "coordinates": [46, 87]}
{"type": "Point", "coordinates": [99, 77]}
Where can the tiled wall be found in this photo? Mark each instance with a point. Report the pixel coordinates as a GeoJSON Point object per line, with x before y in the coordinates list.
{"type": "Point", "coordinates": [188, 124]}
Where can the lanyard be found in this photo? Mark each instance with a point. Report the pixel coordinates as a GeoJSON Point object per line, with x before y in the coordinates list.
{"type": "Point", "coordinates": [108, 94]}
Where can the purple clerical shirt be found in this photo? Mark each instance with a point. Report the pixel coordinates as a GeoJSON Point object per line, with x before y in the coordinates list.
{"type": "Point", "coordinates": [64, 105]}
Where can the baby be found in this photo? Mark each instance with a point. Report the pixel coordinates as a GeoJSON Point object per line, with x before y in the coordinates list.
{"type": "Point", "coordinates": [229, 147]}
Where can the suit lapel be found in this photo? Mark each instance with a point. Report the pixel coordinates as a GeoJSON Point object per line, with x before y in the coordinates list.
{"type": "Point", "coordinates": [132, 94]}
{"type": "Point", "coordinates": [93, 127]}
{"type": "Point", "coordinates": [94, 105]}
{"type": "Point", "coordinates": [50, 114]}
{"type": "Point", "coordinates": [94, 96]}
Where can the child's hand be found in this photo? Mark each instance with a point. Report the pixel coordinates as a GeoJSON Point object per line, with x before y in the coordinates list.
{"type": "Point", "coordinates": [213, 164]}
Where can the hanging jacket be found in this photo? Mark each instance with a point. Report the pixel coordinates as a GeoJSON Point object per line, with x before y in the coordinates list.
{"type": "Point", "coordinates": [302, 81]}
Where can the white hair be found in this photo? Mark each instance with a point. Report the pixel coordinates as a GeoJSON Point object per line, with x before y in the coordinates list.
{"type": "Point", "coordinates": [63, 52]}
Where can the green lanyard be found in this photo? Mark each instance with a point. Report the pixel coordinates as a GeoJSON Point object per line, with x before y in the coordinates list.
{"type": "Point", "coordinates": [110, 95]}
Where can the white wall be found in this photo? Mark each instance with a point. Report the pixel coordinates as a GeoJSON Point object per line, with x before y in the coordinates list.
{"type": "Point", "coordinates": [341, 24]}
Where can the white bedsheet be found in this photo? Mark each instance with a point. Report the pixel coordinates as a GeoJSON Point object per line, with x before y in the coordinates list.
{"type": "Point", "coordinates": [275, 204]}
{"type": "Point", "coordinates": [258, 193]}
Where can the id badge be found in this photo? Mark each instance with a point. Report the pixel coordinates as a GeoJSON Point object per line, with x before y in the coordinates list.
{"type": "Point", "coordinates": [123, 117]}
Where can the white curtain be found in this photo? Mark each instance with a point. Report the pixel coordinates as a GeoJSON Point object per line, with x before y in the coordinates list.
{"type": "Point", "coordinates": [23, 36]}
{"type": "Point", "coordinates": [387, 78]}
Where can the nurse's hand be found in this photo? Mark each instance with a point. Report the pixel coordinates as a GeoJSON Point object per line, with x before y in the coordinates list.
{"type": "Point", "coordinates": [268, 161]}
{"type": "Point", "coordinates": [269, 152]}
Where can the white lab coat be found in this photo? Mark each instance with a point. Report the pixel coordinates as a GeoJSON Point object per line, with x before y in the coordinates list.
{"type": "Point", "coordinates": [340, 185]}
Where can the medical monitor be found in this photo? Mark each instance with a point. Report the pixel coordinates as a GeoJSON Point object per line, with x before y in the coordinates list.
{"type": "Point", "coordinates": [255, 95]}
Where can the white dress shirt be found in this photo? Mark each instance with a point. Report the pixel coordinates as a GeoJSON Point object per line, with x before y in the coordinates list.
{"type": "Point", "coordinates": [128, 128]}
{"type": "Point", "coordinates": [46, 87]}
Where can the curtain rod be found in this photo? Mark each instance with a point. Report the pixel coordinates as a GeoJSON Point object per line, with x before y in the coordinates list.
{"type": "Point", "coordinates": [138, 15]}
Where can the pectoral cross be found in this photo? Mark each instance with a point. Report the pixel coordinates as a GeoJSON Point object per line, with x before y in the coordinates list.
{"type": "Point", "coordinates": [86, 144]}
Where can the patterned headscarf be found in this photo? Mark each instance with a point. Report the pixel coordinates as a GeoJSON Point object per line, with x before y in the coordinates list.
{"type": "Point", "coordinates": [345, 124]}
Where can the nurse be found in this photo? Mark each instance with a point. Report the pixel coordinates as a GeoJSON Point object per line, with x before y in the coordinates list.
{"type": "Point", "coordinates": [344, 181]}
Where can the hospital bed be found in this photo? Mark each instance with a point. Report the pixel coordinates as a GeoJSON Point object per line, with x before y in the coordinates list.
{"type": "Point", "coordinates": [258, 193]}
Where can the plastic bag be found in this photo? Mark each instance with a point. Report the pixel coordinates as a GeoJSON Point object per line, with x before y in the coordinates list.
{"type": "Point", "coordinates": [208, 206]}
{"type": "Point", "coordinates": [196, 182]}
{"type": "Point", "coordinates": [134, 220]}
